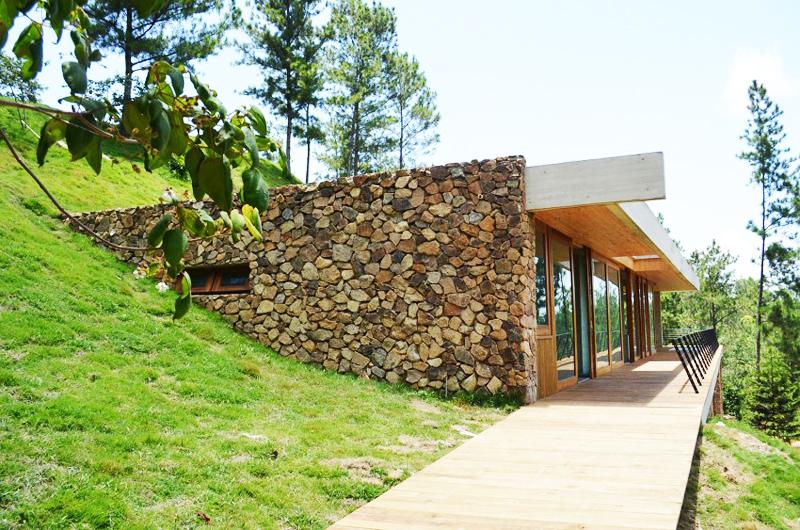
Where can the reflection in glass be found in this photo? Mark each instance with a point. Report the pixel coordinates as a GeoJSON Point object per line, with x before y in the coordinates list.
{"type": "Point", "coordinates": [562, 298]}
{"type": "Point", "coordinates": [541, 280]}
{"type": "Point", "coordinates": [614, 313]}
{"type": "Point", "coordinates": [652, 320]}
{"type": "Point", "coordinates": [600, 313]}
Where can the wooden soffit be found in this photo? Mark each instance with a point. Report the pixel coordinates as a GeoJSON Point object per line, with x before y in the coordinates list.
{"type": "Point", "coordinates": [631, 235]}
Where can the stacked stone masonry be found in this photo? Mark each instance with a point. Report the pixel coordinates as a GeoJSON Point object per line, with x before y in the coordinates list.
{"type": "Point", "coordinates": [420, 276]}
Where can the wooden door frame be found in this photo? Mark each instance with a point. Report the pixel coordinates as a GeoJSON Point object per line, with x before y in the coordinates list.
{"type": "Point", "coordinates": [570, 381]}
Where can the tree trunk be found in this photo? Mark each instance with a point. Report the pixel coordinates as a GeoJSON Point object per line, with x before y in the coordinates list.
{"type": "Point", "coordinates": [289, 120]}
{"type": "Point", "coordinates": [353, 169]}
{"type": "Point", "coordinates": [308, 142]}
{"type": "Point", "coordinates": [761, 274]}
{"type": "Point", "coordinates": [402, 127]}
{"type": "Point", "coordinates": [128, 81]}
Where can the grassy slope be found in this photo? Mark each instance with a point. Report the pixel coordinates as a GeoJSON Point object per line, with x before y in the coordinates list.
{"type": "Point", "coordinates": [742, 479]}
{"type": "Point", "coordinates": [112, 415]}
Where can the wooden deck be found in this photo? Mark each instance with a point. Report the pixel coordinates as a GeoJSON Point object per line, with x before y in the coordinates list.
{"type": "Point", "coordinates": [613, 452]}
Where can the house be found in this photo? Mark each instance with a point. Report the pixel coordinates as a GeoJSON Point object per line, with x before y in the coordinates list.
{"type": "Point", "coordinates": [487, 276]}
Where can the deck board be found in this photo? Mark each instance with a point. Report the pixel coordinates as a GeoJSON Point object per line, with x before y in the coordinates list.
{"type": "Point", "coordinates": [613, 452]}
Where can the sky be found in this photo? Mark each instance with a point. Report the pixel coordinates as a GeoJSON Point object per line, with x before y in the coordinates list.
{"type": "Point", "coordinates": [574, 80]}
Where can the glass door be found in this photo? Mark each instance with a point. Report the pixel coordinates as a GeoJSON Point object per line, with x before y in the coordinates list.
{"type": "Point", "coordinates": [600, 299]}
{"type": "Point", "coordinates": [615, 317]}
{"type": "Point", "coordinates": [564, 314]}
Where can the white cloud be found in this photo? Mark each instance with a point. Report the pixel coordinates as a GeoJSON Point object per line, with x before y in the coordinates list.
{"type": "Point", "coordinates": [766, 67]}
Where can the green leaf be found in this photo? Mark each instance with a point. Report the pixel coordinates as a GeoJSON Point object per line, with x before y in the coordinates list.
{"type": "Point", "coordinates": [159, 122]}
{"type": "Point", "coordinates": [214, 176]}
{"type": "Point", "coordinates": [257, 120]}
{"type": "Point", "coordinates": [52, 131]}
{"type": "Point", "coordinates": [79, 140]}
{"type": "Point", "coordinates": [191, 221]}
{"type": "Point", "coordinates": [29, 46]}
{"type": "Point", "coordinates": [178, 139]}
{"type": "Point", "coordinates": [252, 148]}
{"type": "Point", "coordinates": [94, 154]}
{"type": "Point", "coordinates": [156, 235]}
{"type": "Point", "coordinates": [191, 161]}
{"type": "Point", "coordinates": [161, 70]}
{"type": "Point", "coordinates": [252, 220]}
{"type": "Point", "coordinates": [182, 306]}
{"type": "Point", "coordinates": [237, 224]}
{"type": "Point", "coordinates": [175, 243]}
{"type": "Point", "coordinates": [254, 189]}
{"type": "Point", "coordinates": [226, 220]}
{"type": "Point", "coordinates": [83, 50]}
{"type": "Point", "coordinates": [135, 117]}
{"type": "Point", "coordinates": [186, 285]}
{"type": "Point", "coordinates": [75, 76]}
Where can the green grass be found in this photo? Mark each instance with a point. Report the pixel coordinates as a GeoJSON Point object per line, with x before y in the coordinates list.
{"type": "Point", "coordinates": [111, 415]}
{"type": "Point", "coordinates": [743, 479]}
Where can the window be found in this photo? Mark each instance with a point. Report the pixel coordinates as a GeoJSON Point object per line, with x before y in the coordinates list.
{"type": "Point", "coordinates": [228, 279]}
{"type": "Point", "coordinates": [651, 318]}
{"type": "Point", "coordinates": [562, 297]}
{"type": "Point", "coordinates": [600, 290]}
{"type": "Point", "coordinates": [614, 309]}
{"type": "Point", "coordinates": [540, 265]}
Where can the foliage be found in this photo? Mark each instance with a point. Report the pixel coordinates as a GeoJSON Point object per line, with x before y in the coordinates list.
{"type": "Point", "coordinates": [364, 39]}
{"type": "Point", "coordinates": [11, 83]}
{"type": "Point", "coordinates": [114, 416]}
{"type": "Point", "coordinates": [285, 46]}
{"type": "Point", "coordinates": [775, 399]}
{"type": "Point", "coordinates": [777, 180]}
{"type": "Point", "coordinates": [414, 108]}
{"type": "Point", "coordinates": [164, 122]}
{"type": "Point", "coordinates": [179, 32]}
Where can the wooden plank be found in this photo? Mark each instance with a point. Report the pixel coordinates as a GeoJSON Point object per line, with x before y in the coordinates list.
{"type": "Point", "coordinates": [599, 181]}
{"type": "Point", "coordinates": [614, 452]}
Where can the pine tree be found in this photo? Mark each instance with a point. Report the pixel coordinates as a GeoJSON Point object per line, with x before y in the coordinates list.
{"type": "Point", "coordinates": [285, 46]}
{"type": "Point", "coordinates": [414, 107]}
{"type": "Point", "coordinates": [774, 401]}
{"type": "Point", "coordinates": [179, 32]}
{"type": "Point", "coordinates": [310, 128]}
{"type": "Point", "coordinates": [775, 178]}
{"type": "Point", "coordinates": [364, 38]}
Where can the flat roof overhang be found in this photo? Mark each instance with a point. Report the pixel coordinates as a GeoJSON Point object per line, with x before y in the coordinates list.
{"type": "Point", "coordinates": [599, 204]}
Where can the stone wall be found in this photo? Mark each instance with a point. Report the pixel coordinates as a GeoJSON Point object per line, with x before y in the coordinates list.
{"type": "Point", "coordinates": [422, 276]}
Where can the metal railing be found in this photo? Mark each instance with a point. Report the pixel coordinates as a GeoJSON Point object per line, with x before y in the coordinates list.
{"type": "Point", "coordinates": [670, 334]}
{"type": "Point", "coordinates": [696, 351]}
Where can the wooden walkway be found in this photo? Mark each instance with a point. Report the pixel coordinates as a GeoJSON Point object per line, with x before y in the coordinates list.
{"type": "Point", "coordinates": [614, 452]}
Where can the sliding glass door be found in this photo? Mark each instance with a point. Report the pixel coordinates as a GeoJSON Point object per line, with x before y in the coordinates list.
{"type": "Point", "coordinates": [563, 310]}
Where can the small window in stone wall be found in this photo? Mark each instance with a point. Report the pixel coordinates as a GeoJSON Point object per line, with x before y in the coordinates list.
{"type": "Point", "coordinates": [226, 279]}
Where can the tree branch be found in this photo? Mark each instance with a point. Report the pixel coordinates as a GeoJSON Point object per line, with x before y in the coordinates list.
{"type": "Point", "coordinates": [55, 202]}
{"type": "Point", "coordinates": [55, 113]}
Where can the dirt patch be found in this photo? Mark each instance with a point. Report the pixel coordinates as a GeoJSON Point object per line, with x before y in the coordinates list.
{"type": "Point", "coordinates": [239, 459]}
{"type": "Point", "coordinates": [358, 468]}
{"type": "Point", "coordinates": [460, 429]}
{"type": "Point", "coordinates": [424, 406]}
{"type": "Point", "coordinates": [14, 355]}
{"type": "Point", "coordinates": [726, 464]}
{"type": "Point", "coordinates": [748, 441]}
{"type": "Point", "coordinates": [412, 444]}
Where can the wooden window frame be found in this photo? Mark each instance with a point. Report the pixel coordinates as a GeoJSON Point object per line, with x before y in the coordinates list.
{"type": "Point", "coordinates": [545, 330]}
{"type": "Point", "coordinates": [612, 363]}
{"type": "Point", "coordinates": [573, 380]}
{"type": "Point", "coordinates": [214, 285]}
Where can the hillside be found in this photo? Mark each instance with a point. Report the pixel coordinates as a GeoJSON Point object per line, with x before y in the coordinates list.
{"type": "Point", "coordinates": [742, 479]}
{"type": "Point", "coordinates": [111, 415]}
